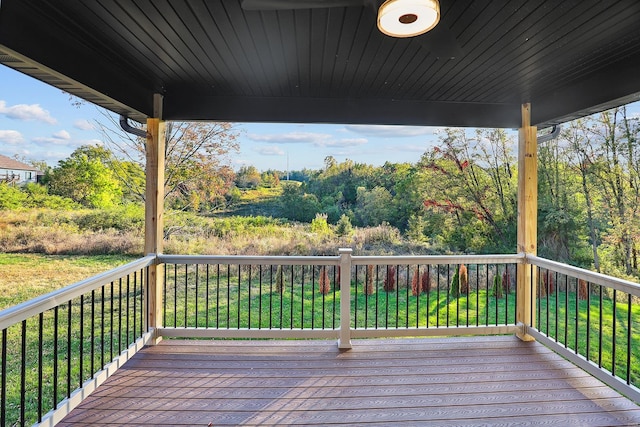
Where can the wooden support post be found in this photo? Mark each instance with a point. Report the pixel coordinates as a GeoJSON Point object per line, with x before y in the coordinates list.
{"type": "Point", "coordinates": [154, 218]}
{"type": "Point", "coordinates": [344, 340]}
{"type": "Point", "coordinates": [527, 219]}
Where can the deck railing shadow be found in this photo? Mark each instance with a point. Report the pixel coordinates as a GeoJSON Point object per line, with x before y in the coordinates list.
{"type": "Point", "coordinates": [58, 348]}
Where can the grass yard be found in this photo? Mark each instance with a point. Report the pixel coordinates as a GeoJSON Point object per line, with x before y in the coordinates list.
{"type": "Point", "coordinates": [26, 276]}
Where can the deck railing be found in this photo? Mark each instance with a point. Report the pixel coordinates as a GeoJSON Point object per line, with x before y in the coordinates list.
{"type": "Point", "coordinates": [300, 297]}
{"type": "Point", "coordinates": [589, 318]}
{"type": "Point", "coordinates": [56, 349]}
{"type": "Point", "coordinates": [59, 347]}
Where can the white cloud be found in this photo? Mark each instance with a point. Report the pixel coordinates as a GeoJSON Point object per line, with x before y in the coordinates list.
{"type": "Point", "coordinates": [387, 131]}
{"type": "Point", "coordinates": [63, 134]}
{"type": "Point", "coordinates": [24, 112]}
{"type": "Point", "coordinates": [346, 142]}
{"type": "Point", "coordinates": [83, 124]}
{"type": "Point", "coordinates": [270, 150]}
{"type": "Point", "coordinates": [291, 138]}
{"type": "Point", "coordinates": [11, 137]}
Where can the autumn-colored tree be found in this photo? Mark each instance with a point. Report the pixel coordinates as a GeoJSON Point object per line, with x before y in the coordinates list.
{"type": "Point", "coordinates": [506, 280]}
{"type": "Point", "coordinates": [279, 280]}
{"type": "Point", "coordinates": [324, 285]}
{"type": "Point", "coordinates": [425, 282]}
{"type": "Point", "coordinates": [197, 162]}
{"type": "Point", "coordinates": [583, 289]}
{"type": "Point", "coordinates": [463, 280]}
{"type": "Point", "coordinates": [389, 284]}
{"type": "Point", "coordinates": [548, 282]}
{"type": "Point", "coordinates": [369, 290]}
{"type": "Point", "coordinates": [416, 287]}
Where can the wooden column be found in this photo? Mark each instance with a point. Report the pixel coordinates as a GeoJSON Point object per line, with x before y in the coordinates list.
{"type": "Point", "coordinates": [527, 218]}
{"type": "Point", "coordinates": [154, 216]}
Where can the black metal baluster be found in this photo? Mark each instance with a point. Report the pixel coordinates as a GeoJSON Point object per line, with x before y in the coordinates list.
{"type": "Point", "coordinates": [127, 318]}
{"type": "Point", "coordinates": [629, 339]}
{"type": "Point", "coordinates": [102, 346]}
{"type": "Point", "coordinates": [506, 287]}
{"type": "Point", "coordinates": [291, 305]}
{"type": "Point", "coordinates": [206, 301]}
{"type": "Point", "coordinates": [301, 297]}
{"type": "Point", "coordinates": [69, 350]}
{"type": "Point", "coordinates": [228, 296]}
{"type": "Point", "coordinates": [81, 349]}
{"type": "Point", "coordinates": [281, 292]}
{"type": "Point", "coordinates": [175, 295]}
{"type": "Point", "coordinates": [355, 301]}
{"type": "Point", "coordinates": [23, 372]}
{"type": "Point", "coordinates": [135, 306]}
{"type": "Point", "coordinates": [588, 354]}
{"type": "Point", "coordinates": [248, 299]}
{"type": "Point", "coordinates": [40, 362]}
{"type": "Point", "coordinates": [324, 274]}
{"type": "Point", "coordinates": [555, 280]}
{"type": "Point", "coordinates": [217, 296]}
{"type": "Point", "coordinates": [271, 296]}
{"type": "Point", "coordinates": [437, 295]}
{"type": "Point", "coordinates": [407, 300]}
{"type": "Point", "coordinates": [260, 296]}
{"type": "Point", "coordinates": [239, 296]}
{"type": "Point", "coordinates": [613, 333]}
{"type": "Point", "coordinates": [111, 325]}
{"type": "Point", "coordinates": [196, 295]}
{"type": "Point", "coordinates": [386, 319]}
{"type": "Point", "coordinates": [477, 294]}
{"type": "Point", "coordinates": [164, 291]}
{"type": "Point", "coordinates": [486, 296]}
{"type": "Point", "coordinates": [120, 315]}
{"type": "Point", "coordinates": [335, 286]}
{"type": "Point", "coordinates": [313, 294]}
{"type": "Point", "coordinates": [92, 352]}
{"type": "Point", "coordinates": [566, 310]}
{"type": "Point", "coordinates": [600, 332]}
{"type": "Point", "coordinates": [458, 298]}
{"type": "Point", "coordinates": [418, 294]}
{"type": "Point", "coordinates": [377, 282]}
{"type": "Point", "coordinates": [577, 325]}
{"type": "Point", "coordinates": [186, 295]}
{"type": "Point", "coordinates": [3, 385]}
{"type": "Point", "coordinates": [397, 296]}
{"type": "Point", "coordinates": [428, 293]}
{"type": "Point", "coordinates": [448, 291]}
{"type": "Point", "coordinates": [55, 357]}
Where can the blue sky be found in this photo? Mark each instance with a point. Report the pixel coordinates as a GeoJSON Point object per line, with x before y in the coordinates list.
{"type": "Point", "coordinates": [40, 122]}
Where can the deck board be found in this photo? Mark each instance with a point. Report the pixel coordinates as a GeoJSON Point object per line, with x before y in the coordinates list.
{"type": "Point", "coordinates": [496, 381]}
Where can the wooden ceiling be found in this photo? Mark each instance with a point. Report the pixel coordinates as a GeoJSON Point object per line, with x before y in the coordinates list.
{"type": "Point", "coordinates": [213, 60]}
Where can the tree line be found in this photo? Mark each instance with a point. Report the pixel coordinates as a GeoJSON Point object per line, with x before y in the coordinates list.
{"type": "Point", "coordinates": [459, 196]}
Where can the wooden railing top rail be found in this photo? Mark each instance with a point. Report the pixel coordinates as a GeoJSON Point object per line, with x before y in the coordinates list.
{"type": "Point", "coordinates": [590, 276]}
{"type": "Point", "coordinates": [335, 260]}
{"type": "Point", "coordinates": [248, 259]}
{"type": "Point", "coordinates": [20, 312]}
{"type": "Point", "coordinates": [437, 259]}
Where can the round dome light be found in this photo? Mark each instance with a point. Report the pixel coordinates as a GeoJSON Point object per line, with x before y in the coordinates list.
{"type": "Point", "coordinates": [408, 18]}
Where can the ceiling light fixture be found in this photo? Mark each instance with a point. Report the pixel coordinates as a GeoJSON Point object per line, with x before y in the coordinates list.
{"type": "Point", "coordinates": [408, 18]}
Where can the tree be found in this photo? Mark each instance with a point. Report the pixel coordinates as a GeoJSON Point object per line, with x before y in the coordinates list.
{"type": "Point", "coordinates": [86, 178]}
{"type": "Point", "coordinates": [248, 177]}
{"type": "Point", "coordinates": [197, 164]}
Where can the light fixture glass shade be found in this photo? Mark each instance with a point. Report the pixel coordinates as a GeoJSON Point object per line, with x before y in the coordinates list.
{"type": "Point", "coordinates": [408, 18]}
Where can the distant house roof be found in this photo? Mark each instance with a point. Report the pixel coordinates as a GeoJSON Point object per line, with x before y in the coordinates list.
{"type": "Point", "coordinates": [9, 163]}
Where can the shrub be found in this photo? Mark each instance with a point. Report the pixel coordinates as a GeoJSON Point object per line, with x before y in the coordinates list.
{"type": "Point", "coordinates": [344, 227]}
{"type": "Point", "coordinates": [324, 285]}
{"type": "Point", "coordinates": [369, 281]}
{"type": "Point", "coordinates": [319, 225]}
{"type": "Point", "coordinates": [390, 279]}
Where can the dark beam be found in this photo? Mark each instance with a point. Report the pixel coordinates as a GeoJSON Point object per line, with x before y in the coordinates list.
{"type": "Point", "coordinates": [612, 86]}
{"type": "Point", "coordinates": [333, 110]}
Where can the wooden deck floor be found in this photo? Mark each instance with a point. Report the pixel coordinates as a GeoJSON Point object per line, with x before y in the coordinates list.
{"type": "Point", "coordinates": [434, 382]}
